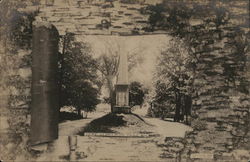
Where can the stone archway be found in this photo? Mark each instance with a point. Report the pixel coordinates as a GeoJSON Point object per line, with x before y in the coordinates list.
{"type": "Point", "coordinates": [59, 12]}
{"type": "Point", "coordinates": [78, 19]}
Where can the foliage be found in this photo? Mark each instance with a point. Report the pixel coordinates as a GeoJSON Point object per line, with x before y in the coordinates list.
{"type": "Point", "coordinates": [174, 66]}
{"type": "Point", "coordinates": [163, 100]}
{"type": "Point", "coordinates": [174, 77]}
{"type": "Point", "coordinates": [219, 46]}
{"type": "Point", "coordinates": [16, 25]}
{"type": "Point", "coordinates": [235, 73]}
{"type": "Point", "coordinates": [64, 116]}
{"type": "Point", "coordinates": [79, 79]}
{"type": "Point", "coordinates": [177, 17]}
{"type": "Point", "coordinates": [88, 95]}
{"type": "Point", "coordinates": [108, 66]}
{"type": "Point", "coordinates": [22, 28]}
{"type": "Point", "coordinates": [136, 93]}
{"type": "Point", "coordinates": [15, 37]}
{"type": "Point", "coordinates": [170, 16]}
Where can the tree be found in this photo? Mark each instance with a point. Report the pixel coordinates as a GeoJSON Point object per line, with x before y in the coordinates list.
{"type": "Point", "coordinates": [108, 66]}
{"type": "Point", "coordinates": [175, 76]}
{"type": "Point", "coordinates": [85, 95]}
{"type": "Point", "coordinates": [136, 94]}
{"type": "Point", "coordinates": [79, 81]}
{"type": "Point", "coordinates": [163, 101]}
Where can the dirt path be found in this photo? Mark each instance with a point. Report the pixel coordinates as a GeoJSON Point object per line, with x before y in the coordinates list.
{"type": "Point", "coordinates": [72, 127]}
{"type": "Point", "coordinates": [118, 149]}
{"type": "Point", "coordinates": [94, 148]}
{"type": "Point", "coordinates": [104, 148]}
{"type": "Point", "coordinates": [59, 149]}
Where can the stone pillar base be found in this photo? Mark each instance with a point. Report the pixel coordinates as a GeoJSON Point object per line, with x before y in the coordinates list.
{"type": "Point", "coordinates": [122, 109]}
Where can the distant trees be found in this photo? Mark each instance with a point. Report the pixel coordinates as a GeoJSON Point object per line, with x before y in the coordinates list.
{"type": "Point", "coordinates": [136, 93]}
{"type": "Point", "coordinates": [174, 76]}
{"type": "Point", "coordinates": [174, 79]}
{"type": "Point", "coordinates": [173, 85]}
{"type": "Point", "coordinates": [79, 81]}
{"type": "Point", "coordinates": [108, 66]}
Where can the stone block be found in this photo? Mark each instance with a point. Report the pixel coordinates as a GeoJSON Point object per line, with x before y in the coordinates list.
{"type": "Point", "coordinates": [241, 154]}
{"type": "Point", "coordinates": [3, 123]}
{"type": "Point", "coordinates": [207, 156]}
{"type": "Point", "coordinates": [24, 72]}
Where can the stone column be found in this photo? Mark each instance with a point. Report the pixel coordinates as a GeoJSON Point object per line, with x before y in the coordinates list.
{"type": "Point", "coordinates": [44, 91]}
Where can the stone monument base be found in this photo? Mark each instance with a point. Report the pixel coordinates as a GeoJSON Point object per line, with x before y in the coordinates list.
{"type": "Point", "coordinates": [122, 109]}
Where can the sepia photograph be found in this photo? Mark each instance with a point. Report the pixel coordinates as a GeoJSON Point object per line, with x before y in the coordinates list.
{"type": "Point", "coordinates": [124, 81]}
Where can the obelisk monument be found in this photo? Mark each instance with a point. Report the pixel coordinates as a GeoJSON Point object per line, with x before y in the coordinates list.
{"type": "Point", "coordinates": [122, 86]}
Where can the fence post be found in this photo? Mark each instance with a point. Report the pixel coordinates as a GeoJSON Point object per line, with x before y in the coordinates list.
{"type": "Point", "coordinates": [72, 147]}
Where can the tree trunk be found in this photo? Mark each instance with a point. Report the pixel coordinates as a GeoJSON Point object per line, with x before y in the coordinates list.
{"type": "Point", "coordinates": [79, 111]}
{"type": "Point", "coordinates": [111, 96]}
{"type": "Point", "coordinates": [111, 91]}
{"type": "Point", "coordinates": [177, 107]}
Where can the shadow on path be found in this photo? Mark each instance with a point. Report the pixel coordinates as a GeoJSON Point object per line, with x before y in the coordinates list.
{"type": "Point", "coordinates": [108, 123]}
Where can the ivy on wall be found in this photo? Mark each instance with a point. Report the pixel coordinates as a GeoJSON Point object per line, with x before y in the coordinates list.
{"type": "Point", "coordinates": [16, 37]}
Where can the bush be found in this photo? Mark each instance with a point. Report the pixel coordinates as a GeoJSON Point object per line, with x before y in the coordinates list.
{"type": "Point", "coordinates": [136, 94]}
{"type": "Point", "coordinates": [68, 116]}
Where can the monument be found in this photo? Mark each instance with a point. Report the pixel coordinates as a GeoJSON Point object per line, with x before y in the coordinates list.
{"type": "Point", "coordinates": [122, 86]}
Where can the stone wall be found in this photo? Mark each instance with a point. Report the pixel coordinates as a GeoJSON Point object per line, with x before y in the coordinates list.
{"type": "Point", "coordinates": [221, 85]}
{"type": "Point", "coordinates": [80, 17]}
{"type": "Point", "coordinates": [96, 16]}
{"type": "Point", "coordinates": [221, 89]}
{"type": "Point", "coordinates": [15, 81]}
{"type": "Point", "coordinates": [220, 102]}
